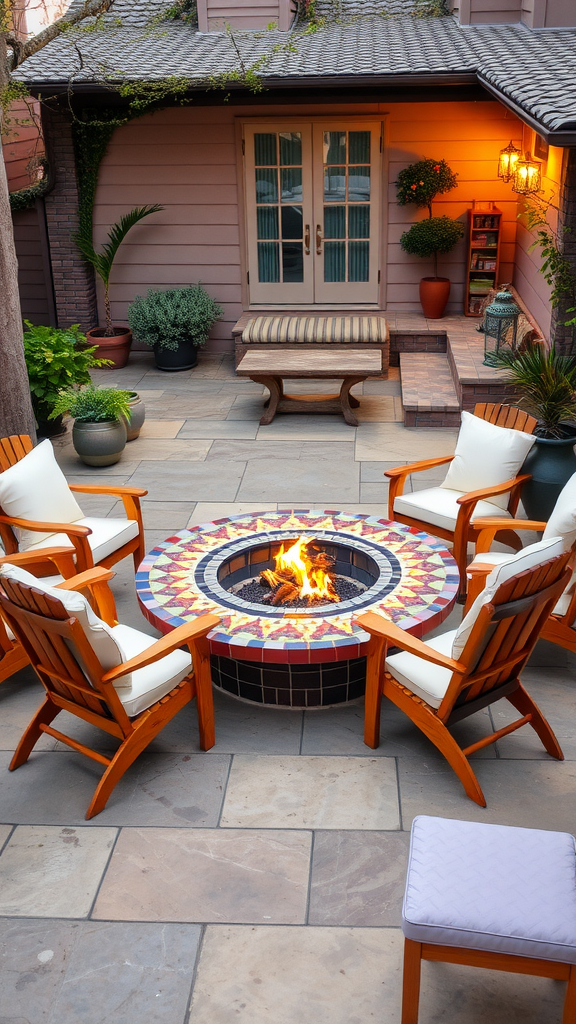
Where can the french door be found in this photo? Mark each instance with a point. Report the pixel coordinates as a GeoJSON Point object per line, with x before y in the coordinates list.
{"type": "Point", "coordinates": [313, 212]}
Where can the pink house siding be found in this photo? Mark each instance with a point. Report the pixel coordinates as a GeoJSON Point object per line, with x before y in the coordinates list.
{"type": "Point", "coordinates": [187, 160]}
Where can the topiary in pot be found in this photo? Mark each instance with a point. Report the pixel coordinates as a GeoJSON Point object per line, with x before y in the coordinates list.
{"type": "Point", "coordinates": [174, 323]}
{"type": "Point", "coordinates": [419, 185]}
{"type": "Point", "coordinates": [99, 433]}
{"type": "Point", "coordinates": [55, 360]}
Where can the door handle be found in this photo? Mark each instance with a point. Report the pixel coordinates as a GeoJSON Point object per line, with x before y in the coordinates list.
{"type": "Point", "coordinates": [307, 240]}
{"type": "Point", "coordinates": [318, 240]}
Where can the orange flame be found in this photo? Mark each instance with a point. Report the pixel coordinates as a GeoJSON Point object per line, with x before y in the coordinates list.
{"type": "Point", "coordinates": [315, 583]}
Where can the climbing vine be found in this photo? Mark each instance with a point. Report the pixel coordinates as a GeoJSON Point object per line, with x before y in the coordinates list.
{"type": "Point", "coordinates": [556, 269]}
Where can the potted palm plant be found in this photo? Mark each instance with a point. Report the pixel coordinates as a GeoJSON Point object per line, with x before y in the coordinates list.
{"type": "Point", "coordinates": [99, 432]}
{"type": "Point", "coordinates": [55, 360]}
{"type": "Point", "coordinates": [419, 184]}
{"type": "Point", "coordinates": [545, 383]}
{"type": "Point", "coordinates": [112, 341]}
{"type": "Point", "coordinates": [174, 323]}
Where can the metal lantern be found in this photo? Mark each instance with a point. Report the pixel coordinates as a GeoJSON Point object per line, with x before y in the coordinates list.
{"type": "Point", "coordinates": [507, 161]}
{"type": "Point", "coordinates": [500, 327]}
{"type": "Point", "coordinates": [527, 176]}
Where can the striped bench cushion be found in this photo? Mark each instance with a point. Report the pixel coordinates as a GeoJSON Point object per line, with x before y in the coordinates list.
{"type": "Point", "coordinates": [321, 329]}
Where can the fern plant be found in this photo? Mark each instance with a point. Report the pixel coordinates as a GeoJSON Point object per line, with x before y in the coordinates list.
{"type": "Point", "coordinates": [93, 405]}
{"type": "Point", "coordinates": [103, 261]}
{"type": "Point", "coordinates": [546, 383]}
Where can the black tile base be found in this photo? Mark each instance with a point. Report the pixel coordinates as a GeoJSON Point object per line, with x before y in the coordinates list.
{"type": "Point", "coordinates": [291, 686]}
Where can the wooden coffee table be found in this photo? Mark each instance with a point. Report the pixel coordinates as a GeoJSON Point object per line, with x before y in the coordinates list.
{"type": "Point", "coordinates": [271, 368]}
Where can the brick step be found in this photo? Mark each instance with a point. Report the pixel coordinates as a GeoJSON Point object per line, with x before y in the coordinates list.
{"type": "Point", "coordinates": [474, 381]}
{"type": "Point", "coordinates": [428, 393]}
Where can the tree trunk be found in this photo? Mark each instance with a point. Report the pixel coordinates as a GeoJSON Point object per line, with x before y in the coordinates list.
{"type": "Point", "coordinates": [16, 416]}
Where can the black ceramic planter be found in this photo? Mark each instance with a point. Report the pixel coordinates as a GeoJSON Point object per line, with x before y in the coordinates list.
{"type": "Point", "coordinates": [551, 462]}
{"type": "Point", "coordinates": [182, 358]}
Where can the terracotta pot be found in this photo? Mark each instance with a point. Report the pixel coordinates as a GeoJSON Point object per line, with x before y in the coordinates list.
{"type": "Point", "coordinates": [434, 292]}
{"type": "Point", "coordinates": [138, 411]}
{"type": "Point", "coordinates": [116, 348]}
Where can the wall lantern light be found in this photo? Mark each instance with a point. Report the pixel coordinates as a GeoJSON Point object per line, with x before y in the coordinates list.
{"type": "Point", "coordinates": [500, 327]}
{"type": "Point", "coordinates": [527, 176]}
{"type": "Point", "coordinates": [507, 161]}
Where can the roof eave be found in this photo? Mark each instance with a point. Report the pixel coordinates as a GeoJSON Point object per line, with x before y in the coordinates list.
{"type": "Point", "coordinates": [555, 137]}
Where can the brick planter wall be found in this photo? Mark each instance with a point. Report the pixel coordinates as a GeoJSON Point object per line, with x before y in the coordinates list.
{"type": "Point", "coordinates": [74, 287]}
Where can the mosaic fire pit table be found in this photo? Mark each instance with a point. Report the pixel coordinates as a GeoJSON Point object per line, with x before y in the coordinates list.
{"type": "Point", "coordinates": [296, 657]}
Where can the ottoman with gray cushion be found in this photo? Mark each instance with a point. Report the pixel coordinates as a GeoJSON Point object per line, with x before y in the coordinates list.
{"type": "Point", "coordinates": [489, 896]}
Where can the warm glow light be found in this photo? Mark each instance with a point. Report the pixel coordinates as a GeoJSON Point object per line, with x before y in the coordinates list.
{"type": "Point", "coordinates": [507, 162]}
{"type": "Point", "coordinates": [313, 582]}
{"type": "Point", "coordinates": [527, 177]}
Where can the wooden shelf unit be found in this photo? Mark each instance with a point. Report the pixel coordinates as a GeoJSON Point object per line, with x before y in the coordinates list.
{"type": "Point", "coordinates": [483, 259]}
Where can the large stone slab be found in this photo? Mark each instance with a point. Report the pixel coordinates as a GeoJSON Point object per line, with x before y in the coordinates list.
{"type": "Point", "coordinates": [205, 875]}
{"type": "Point", "coordinates": [48, 871]}
{"type": "Point", "coordinates": [190, 481]}
{"type": "Point", "coordinates": [311, 792]}
{"type": "Point", "coordinates": [299, 482]}
{"type": "Point", "coordinates": [93, 971]}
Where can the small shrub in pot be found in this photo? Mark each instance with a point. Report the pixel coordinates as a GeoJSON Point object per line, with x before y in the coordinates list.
{"type": "Point", "coordinates": [99, 433]}
{"type": "Point", "coordinates": [174, 323]}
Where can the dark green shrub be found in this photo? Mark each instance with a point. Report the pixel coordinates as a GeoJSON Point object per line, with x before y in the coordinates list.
{"type": "Point", "coordinates": [56, 359]}
{"type": "Point", "coordinates": [429, 237]}
{"type": "Point", "coordinates": [170, 317]}
{"type": "Point", "coordinates": [423, 181]}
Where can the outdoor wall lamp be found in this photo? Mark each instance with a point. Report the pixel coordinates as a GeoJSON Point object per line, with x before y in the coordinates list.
{"type": "Point", "coordinates": [507, 161]}
{"type": "Point", "coordinates": [500, 327]}
{"type": "Point", "coordinates": [527, 176]}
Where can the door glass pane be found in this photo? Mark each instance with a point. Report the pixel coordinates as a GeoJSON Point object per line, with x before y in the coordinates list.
{"type": "Point", "coordinates": [267, 221]}
{"type": "Point", "coordinates": [265, 149]}
{"type": "Point", "coordinates": [268, 262]}
{"type": "Point", "coordinates": [292, 262]}
{"type": "Point", "coordinates": [359, 146]}
{"type": "Point", "coordinates": [358, 222]}
{"type": "Point", "coordinates": [291, 178]}
{"type": "Point", "coordinates": [291, 222]}
{"type": "Point", "coordinates": [334, 261]}
{"type": "Point", "coordinates": [266, 186]}
{"type": "Point", "coordinates": [358, 261]}
{"type": "Point", "coordinates": [334, 147]}
{"type": "Point", "coordinates": [290, 149]}
{"type": "Point", "coordinates": [334, 184]}
{"type": "Point", "coordinates": [359, 184]}
{"type": "Point", "coordinates": [335, 222]}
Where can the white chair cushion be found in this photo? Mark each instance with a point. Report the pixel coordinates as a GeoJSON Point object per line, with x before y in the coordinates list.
{"type": "Point", "coordinates": [486, 455]}
{"type": "Point", "coordinates": [107, 536]}
{"type": "Point", "coordinates": [492, 887]}
{"type": "Point", "coordinates": [562, 522]}
{"type": "Point", "coordinates": [439, 507]}
{"type": "Point", "coordinates": [527, 558]}
{"type": "Point", "coordinates": [427, 681]}
{"type": "Point", "coordinates": [99, 634]}
{"type": "Point", "coordinates": [149, 684]}
{"type": "Point", "coordinates": [35, 488]}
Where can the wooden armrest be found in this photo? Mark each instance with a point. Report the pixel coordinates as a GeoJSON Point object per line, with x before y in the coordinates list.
{"type": "Point", "coordinates": [490, 492]}
{"type": "Point", "coordinates": [134, 492]}
{"type": "Point", "coordinates": [491, 522]}
{"type": "Point", "coordinates": [37, 555]}
{"type": "Point", "coordinates": [417, 467]}
{"type": "Point", "coordinates": [36, 527]}
{"type": "Point", "coordinates": [177, 638]}
{"type": "Point", "coordinates": [87, 579]}
{"type": "Point", "coordinates": [377, 625]}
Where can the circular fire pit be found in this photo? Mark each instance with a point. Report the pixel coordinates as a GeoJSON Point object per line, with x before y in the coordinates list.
{"type": "Point", "coordinates": [311, 656]}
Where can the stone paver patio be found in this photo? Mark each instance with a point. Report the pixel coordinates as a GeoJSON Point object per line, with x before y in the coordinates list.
{"type": "Point", "coordinates": [261, 881]}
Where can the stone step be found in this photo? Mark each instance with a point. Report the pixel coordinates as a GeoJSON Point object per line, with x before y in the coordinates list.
{"type": "Point", "coordinates": [428, 393]}
{"type": "Point", "coordinates": [474, 381]}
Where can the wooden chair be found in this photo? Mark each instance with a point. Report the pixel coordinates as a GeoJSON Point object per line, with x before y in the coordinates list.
{"type": "Point", "coordinates": [62, 652]}
{"type": "Point", "coordinates": [84, 540]}
{"type": "Point", "coordinates": [435, 688]}
{"type": "Point", "coordinates": [489, 896]}
{"type": "Point", "coordinates": [464, 530]}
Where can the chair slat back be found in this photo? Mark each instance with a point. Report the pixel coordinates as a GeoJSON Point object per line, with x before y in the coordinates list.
{"type": "Point", "coordinates": [14, 448]}
{"type": "Point", "coordinates": [506, 416]}
{"type": "Point", "coordinates": [506, 632]}
{"type": "Point", "coordinates": [59, 651]}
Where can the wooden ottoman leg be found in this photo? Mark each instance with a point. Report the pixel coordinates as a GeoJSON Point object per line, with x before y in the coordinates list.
{"type": "Point", "coordinates": [569, 1015]}
{"type": "Point", "coordinates": [274, 385]}
{"type": "Point", "coordinates": [411, 981]}
{"type": "Point", "coordinates": [346, 397]}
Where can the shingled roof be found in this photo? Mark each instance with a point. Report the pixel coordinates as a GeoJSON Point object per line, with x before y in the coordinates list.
{"type": "Point", "coordinates": [534, 72]}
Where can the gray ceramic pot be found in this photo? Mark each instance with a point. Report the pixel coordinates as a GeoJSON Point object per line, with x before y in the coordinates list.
{"type": "Point", "coordinates": [138, 410]}
{"type": "Point", "coordinates": [99, 444]}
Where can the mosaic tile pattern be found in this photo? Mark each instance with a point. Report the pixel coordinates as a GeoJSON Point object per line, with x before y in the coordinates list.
{"type": "Point", "coordinates": [175, 583]}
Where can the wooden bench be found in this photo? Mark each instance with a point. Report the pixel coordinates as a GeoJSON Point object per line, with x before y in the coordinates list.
{"type": "Point", "coordinates": [272, 368]}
